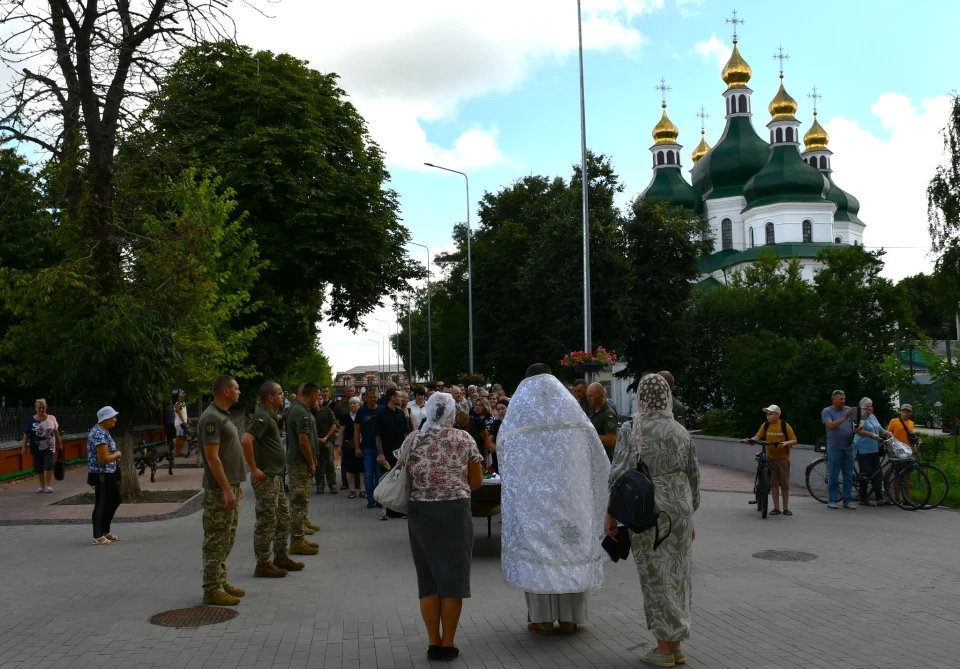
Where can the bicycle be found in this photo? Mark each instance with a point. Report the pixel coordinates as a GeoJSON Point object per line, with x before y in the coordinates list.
{"type": "Point", "coordinates": [761, 485]}
{"type": "Point", "coordinates": [939, 485]}
{"type": "Point", "coordinates": [905, 482]}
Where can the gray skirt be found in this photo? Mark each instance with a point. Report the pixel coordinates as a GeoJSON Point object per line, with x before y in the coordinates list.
{"type": "Point", "coordinates": [441, 539]}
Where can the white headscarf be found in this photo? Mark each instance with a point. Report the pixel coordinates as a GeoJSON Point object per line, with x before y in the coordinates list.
{"type": "Point", "coordinates": [440, 410]}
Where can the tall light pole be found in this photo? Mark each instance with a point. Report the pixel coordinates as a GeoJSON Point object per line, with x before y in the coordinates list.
{"type": "Point", "coordinates": [584, 181]}
{"type": "Point", "coordinates": [378, 361]}
{"type": "Point", "coordinates": [387, 357]}
{"type": "Point", "coordinates": [409, 342]}
{"type": "Point", "coordinates": [384, 348]}
{"type": "Point", "coordinates": [429, 320]}
{"type": "Point", "coordinates": [469, 265]}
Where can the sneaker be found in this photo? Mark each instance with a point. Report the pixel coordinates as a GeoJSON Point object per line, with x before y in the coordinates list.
{"type": "Point", "coordinates": [383, 515]}
{"type": "Point", "coordinates": [832, 505]}
{"type": "Point", "coordinates": [235, 592]}
{"type": "Point", "coordinates": [49, 489]}
{"type": "Point", "coordinates": [301, 547]}
{"type": "Point", "coordinates": [284, 562]}
{"type": "Point", "coordinates": [39, 489]}
{"type": "Point", "coordinates": [658, 659]}
{"type": "Point", "coordinates": [679, 657]}
{"type": "Point", "coordinates": [220, 598]}
{"type": "Point", "coordinates": [269, 570]}
{"type": "Point", "coordinates": [851, 506]}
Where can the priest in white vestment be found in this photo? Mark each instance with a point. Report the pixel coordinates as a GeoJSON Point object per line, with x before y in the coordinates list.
{"type": "Point", "coordinates": [554, 500]}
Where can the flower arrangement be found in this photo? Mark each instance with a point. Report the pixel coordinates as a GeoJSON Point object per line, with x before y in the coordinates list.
{"type": "Point", "coordinates": [475, 379]}
{"type": "Point", "coordinates": [601, 357]}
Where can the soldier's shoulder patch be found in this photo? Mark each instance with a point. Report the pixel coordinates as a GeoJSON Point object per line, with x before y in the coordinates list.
{"type": "Point", "coordinates": [211, 427]}
{"type": "Point", "coordinates": [305, 424]}
{"type": "Point", "coordinates": [258, 427]}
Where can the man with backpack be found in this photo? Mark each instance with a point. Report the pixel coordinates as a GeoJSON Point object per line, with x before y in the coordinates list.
{"type": "Point", "coordinates": [779, 432]}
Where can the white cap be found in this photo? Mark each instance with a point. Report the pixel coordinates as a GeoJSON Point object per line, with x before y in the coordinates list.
{"type": "Point", "coordinates": [106, 413]}
{"type": "Point", "coordinates": [773, 408]}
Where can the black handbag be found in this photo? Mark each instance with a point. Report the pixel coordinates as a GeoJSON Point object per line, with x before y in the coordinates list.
{"type": "Point", "coordinates": [58, 469]}
{"type": "Point", "coordinates": [633, 503]}
{"type": "Point", "coordinates": [914, 439]}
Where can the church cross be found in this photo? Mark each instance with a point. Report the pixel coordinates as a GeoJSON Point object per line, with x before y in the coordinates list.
{"type": "Point", "coordinates": [663, 88]}
{"type": "Point", "coordinates": [736, 22]}
{"type": "Point", "coordinates": [781, 56]}
{"type": "Point", "coordinates": [703, 116]}
{"type": "Point", "coordinates": [815, 96]}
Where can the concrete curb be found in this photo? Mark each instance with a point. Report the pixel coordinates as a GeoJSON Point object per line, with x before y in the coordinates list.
{"type": "Point", "coordinates": [188, 508]}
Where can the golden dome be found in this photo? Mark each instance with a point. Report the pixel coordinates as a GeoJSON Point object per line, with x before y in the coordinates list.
{"type": "Point", "coordinates": [782, 107]}
{"type": "Point", "coordinates": [701, 149]}
{"type": "Point", "coordinates": [736, 73]}
{"type": "Point", "coordinates": [665, 132]}
{"type": "Point", "coordinates": [816, 138]}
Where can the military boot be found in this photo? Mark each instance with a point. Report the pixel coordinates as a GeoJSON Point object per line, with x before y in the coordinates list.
{"type": "Point", "coordinates": [236, 592]}
{"type": "Point", "coordinates": [269, 570]}
{"type": "Point", "coordinates": [302, 547]}
{"type": "Point", "coordinates": [307, 523]}
{"type": "Point", "coordinates": [220, 598]}
{"type": "Point", "coordinates": [284, 562]}
{"type": "Point", "coordinates": [308, 530]}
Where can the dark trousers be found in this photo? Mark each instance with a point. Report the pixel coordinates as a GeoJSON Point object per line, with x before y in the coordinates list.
{"type": "Point", "coordinates": [869, 464]}
{"type": "Point", "coordinates": [106, 488]}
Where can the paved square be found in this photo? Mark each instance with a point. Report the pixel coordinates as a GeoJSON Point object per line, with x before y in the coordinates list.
{"type": "Point", "coordinates": [883, 592]}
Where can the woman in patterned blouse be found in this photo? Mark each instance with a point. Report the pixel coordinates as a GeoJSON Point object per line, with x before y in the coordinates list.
{"type": "Point", "coordinates": [102, 458]}
{"type": "Point", "coordinates": [444, 468]}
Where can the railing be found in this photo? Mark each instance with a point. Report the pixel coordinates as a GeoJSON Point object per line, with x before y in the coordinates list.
{"type": "Point", "coordinates": [72, 419]}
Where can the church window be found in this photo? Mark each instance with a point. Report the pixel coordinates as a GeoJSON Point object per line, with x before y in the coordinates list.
{"type": "Point", "coordinates": [813, 161]}
{"type": "Point", "coordinates": [753, 241]}
{"type": "Point", "coordinates": [789, 134]}
{"type": "Point", "coordinates": [743, 103]}
{"type": "Point", "coordinates": [779, 135]}
{"type": "Point", "coordinates": [733, 104]}
{"type": "Point", "coordinates": [807, 231]}
{"type": "Point", "coordinates": [726, 234]}
{"type": "Point", "coordinates": [771, 237]}
{"type": "Point", "coordinates": [823, 162]}
{"type": "Point", "coordinates": [659, 157]}
{"type": "Point", "coordinates": [669, 157]}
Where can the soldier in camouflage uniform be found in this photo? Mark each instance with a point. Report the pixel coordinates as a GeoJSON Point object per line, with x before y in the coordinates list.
{"type": "Point", "coordinates": [266, 457]}
{"type": "Point", "coordinates": [301, 467]}
{"type": "Point", "coordinates": [223, 473]}
{"type": "Point", "coordinates": [327, 426]}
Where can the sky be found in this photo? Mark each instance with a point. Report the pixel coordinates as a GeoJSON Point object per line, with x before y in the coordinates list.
{"type": "Point", "coordinates": [491, 89]}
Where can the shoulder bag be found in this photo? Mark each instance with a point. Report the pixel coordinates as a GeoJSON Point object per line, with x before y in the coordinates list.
{"type": "Point", "coordinates": [633, 503]}
{"type": "Point", "coordinates": [393, 491]}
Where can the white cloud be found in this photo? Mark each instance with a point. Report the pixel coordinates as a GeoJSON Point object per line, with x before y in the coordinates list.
{"type": "Point", "coordinates": [689, 8]}
{"type": "Point", "coordinates": [406, 63]}
{"type": "Point", "coordinates": [713, 49]}
{"type": "Point", "coordinates": [890, 176]}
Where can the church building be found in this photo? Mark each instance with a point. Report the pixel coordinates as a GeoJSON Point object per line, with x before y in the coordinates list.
{"type": "Point", "coordinates": [757, 193]}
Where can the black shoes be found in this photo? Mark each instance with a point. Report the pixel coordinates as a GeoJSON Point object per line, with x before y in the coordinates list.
{"type": "Point", "coordinates": [442, 653]}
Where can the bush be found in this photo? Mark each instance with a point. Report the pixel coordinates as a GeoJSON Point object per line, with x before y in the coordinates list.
{"type": "Point", "coordinates": [717, 423]}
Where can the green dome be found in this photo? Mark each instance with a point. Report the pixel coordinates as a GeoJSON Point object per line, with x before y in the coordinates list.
{"type": "Point", "coordinates": [669, 186]}
{"type": "Point", "coordinates": [726, 168]}
{"type": "Point", "coordinates": [847, 205]}
{"type": "Point", "coordinates": [785, 178]}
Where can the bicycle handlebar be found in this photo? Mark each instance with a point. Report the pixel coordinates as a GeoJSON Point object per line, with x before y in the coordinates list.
{"type": "Point", "coordinates": [758, 442]}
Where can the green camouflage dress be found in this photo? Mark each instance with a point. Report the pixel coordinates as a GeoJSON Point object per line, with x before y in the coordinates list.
{"type": "Point", "coordinates": [665, 574]}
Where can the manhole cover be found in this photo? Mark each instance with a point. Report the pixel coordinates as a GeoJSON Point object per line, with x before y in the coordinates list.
{"type": "Point", "coordinates": [194, 617]}
{"type": "Point", "coordinates": [785, 556]}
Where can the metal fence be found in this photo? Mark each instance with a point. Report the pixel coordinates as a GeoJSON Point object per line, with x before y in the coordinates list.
{"type": "Point", "coordinates": [72, 420]}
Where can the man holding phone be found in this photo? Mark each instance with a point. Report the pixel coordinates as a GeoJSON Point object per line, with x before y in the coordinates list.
{"type": "Point", "coordinates": [838, 419]}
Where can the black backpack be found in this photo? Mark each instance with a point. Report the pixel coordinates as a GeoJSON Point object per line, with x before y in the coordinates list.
{"type": "Point", "coordinates": [783, 426]}
{"type": "Point", "coordinates": [633, 503]}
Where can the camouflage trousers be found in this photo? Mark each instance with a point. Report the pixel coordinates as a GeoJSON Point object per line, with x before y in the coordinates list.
{"type": "Point", "coordinates": [273, 519]}
{"type": "Point", "coordinates": [219, 533]}
{"type": "Point", "coordinates": [326, 469]}
{"type": "Point", "coordinates": [299, 476]}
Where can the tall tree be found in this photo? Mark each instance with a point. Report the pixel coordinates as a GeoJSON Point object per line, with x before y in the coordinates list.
{"type": "Point", "coordinates": [299, 158]}
{"type": "Point", "coordinates": [943, 212]}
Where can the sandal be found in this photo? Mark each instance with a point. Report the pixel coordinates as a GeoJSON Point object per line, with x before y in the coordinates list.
{"type": "Point", "coordinates": [352, 494]}
{"type": "Point", "coordinates": [541, 628]}
{"type": "Point", "coordinates": [787, 512]}
{"type": "Point", "coordinates": [112, 537]}
{"type": "Point", "coordinates": [775, 512]}
{"type": "Point", "coordinates": [102, 541]}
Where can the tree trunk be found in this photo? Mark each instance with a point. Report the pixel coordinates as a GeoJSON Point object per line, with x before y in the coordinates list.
{"type": "Point", "coordinates": [129, 482]}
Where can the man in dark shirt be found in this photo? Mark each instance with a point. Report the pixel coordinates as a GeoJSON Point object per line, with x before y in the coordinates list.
{"type": "Point", "coordinates": [603, 417]}
{"type": "Point", "coordinates": [579, 391]}
{"type": "Point", "coordinates": [366, 443]}
{"type": "Point", "coordinates": [392, 429]}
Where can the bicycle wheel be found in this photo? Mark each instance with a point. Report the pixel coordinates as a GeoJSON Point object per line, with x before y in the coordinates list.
{"type": "Point", "coordinates": [939, 485]}
{"type": "Point", "coordinates": [817, 477]}
{"type": "Point", "coordinates": [908, 487]}
{"type": "Point", "coordinates": [763, 491]}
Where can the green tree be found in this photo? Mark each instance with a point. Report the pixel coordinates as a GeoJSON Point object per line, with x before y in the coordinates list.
{"type": "Point", "coordinates": [299, 158]}
{"type": "Point", "coordinates": [188, 266]}
{"type": "Point", "coordinates": [312, 366]}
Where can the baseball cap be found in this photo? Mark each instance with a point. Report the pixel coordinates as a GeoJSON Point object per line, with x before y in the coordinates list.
{"type": "Point", "coordinates": [906, 407]}
{"type": "Point", "coordinates": [773, 408]}
{"type": "Point", "coordinates": [106, 413]}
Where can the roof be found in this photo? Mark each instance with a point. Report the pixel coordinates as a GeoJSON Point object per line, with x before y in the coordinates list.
{"type": "Point", "coordinates": [707, 285]}
{"type": "Point", "coordinates": [668, 185]}
{"type": "Point", "coordinates": [847, 205]}
{"type": "Point", "coordinates": [786, 177]}
{"type": "Point", "coordinates": [395, 368]}
{"type": "Point", "coordinates": [726, 168]}
{"type": "Point", "coordinates": [729, 258]}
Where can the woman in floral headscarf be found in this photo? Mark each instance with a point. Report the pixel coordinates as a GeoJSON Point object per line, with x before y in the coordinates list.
{"type": "Point", "coordinates": [668, 452]}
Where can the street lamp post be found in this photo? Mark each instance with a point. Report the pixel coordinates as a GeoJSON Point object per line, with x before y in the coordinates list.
{"type": "Point", "coordinates": [587, 325]}
{"type": "Point", "coordinates": [384, 348]}
{"type": "Point", "coordinates": [387, 356]}
{"type": "Point", "coordinates": [378, 361]}
{"type": "Point", "coordinates": [429, 320]}
{"type": "Point", "coordinates": [469, 266]}
{"type": "Point", "coordinates": [409, 342]}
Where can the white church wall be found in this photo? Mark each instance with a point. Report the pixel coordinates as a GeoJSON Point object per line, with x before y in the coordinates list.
{"type": "Point", "coordinates": [726, 207]}
{"type": "Point", "coordinates": [788, 218]}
